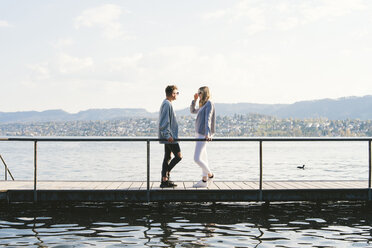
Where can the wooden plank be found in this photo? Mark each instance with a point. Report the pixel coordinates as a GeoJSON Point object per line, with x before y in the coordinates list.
{"type": "Point", "coordinates": [212, 185]}
{"type": "Point", "coordinates": [58, 185]}
{"type": "Point", "coordinates": [283, 185]}
{"type": "Point", "coordinates": [86, 185]}
{"type": "Point", "coordinates": [325, 185]}
{"type": "Point", "coordinates": [156, 186]}
{"type": "Point", "coordinates": [277, 185]}
{"type": "Point", "coordinates": [348, 185]}
{"type": "Point", "coordinates": [251, 185]}
{"type": "Point", "coordinates": [135, 186]}
{"type": "Point", "coordinates": [89, 185]}
{"type": "Point", "coordinates": [79, 184]}
{"type": "Point", "coordinates": [102, 185]}
{"type": "Point", "coordinates": [124, 185]}
{"type": "Point", "coordinates": [301, 185]}
{"type": "Point", "coordinates": [144, 186]}
{"type": "Point", "coordinates": [270, 185]}
{"type": "Point", "coordinates": [188, 185]}
{"type": "Point", "coordinates": [151, 184]}
{"type": "Point", "coordinates": [221, 185]}
{"type": "Point", "coordinates": [46, 185]}
{"type": "Point", "coordinates": [294, 184]}
{"type": "Point", "coordinates": [180, 185]}
{"type": "Point", "coordinates": [240, 185]}
{"type": "Point", "coordinates": [113, 186]}
{"type": "Point", "coordinates": [18, 185]}
{"type": "Point", "coordinates": [359, 184]}
{"type": "Point", "coordinates": [72, 185]}
{"type": "Point", "coordinates": [232, 185]}
{"type": "Point", "coordinates": [308, 185]}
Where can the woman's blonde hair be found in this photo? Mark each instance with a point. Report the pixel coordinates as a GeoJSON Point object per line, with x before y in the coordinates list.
{"type": "Point", "coordinates": [204, 95]}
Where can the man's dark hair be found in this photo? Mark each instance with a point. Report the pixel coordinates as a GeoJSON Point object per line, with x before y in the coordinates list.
{"type": "Point", "coordinates": [169, 90]}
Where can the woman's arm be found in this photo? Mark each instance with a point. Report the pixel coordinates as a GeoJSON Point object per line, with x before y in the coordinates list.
{"type": "Point", "coordinates": [193, 110]}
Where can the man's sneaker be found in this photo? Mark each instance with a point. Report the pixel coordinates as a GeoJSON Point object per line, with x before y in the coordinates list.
{"type": "Point", "coordinates": [201, 184]}
{"type": "Point", "coordinates": [167, 184]}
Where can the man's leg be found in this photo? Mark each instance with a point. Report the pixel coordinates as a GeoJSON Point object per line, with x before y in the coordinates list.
{"type": "Point", "coordinates": [167, 157]}
{"type": "Point", "coordinates": [176, 150]}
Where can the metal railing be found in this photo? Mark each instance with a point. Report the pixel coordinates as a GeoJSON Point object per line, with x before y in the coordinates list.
{"type": "Point", "coordinates": [260, 141]}
{"type": "Point", "coordinates": [7, 171]}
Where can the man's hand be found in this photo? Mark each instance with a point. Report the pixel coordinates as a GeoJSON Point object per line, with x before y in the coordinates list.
{"type": "Point", "coordinates": [208, 138]}
{"type": "Point", "coordinates": [171, 140]}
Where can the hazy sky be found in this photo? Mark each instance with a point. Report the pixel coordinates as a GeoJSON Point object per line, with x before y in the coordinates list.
{"type": "Point", "coordinates": [75, 55]}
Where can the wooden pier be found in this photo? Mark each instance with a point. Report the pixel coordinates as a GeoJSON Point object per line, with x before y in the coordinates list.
{"type": "Point", "coordinates": [218, 191]}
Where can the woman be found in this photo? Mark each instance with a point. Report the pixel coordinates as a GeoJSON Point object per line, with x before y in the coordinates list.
{"type": "Point", "coordinates": [205, 128]}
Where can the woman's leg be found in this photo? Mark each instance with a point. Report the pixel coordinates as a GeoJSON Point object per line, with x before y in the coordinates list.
{"type": "Point", "coordinates": [201, 158]}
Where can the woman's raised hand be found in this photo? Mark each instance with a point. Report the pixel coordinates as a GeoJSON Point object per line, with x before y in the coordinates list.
{"type": "Point", "coordinates": [196, 96]}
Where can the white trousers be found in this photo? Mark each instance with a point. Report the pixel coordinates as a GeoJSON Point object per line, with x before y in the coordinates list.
{"type": "Point", "coordinates": [201, 156]}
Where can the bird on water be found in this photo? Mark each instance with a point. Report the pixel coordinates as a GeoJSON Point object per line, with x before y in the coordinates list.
{"type": "Point", "coordinates": [301, 167]}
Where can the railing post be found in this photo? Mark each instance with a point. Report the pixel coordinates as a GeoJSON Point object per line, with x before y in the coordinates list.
{"type": "Point", "coordinates": [6, 171]}
{"type": "Point", "coordinates": [369, 171]}
{"type": "Point", "coordinates": [260, 193]}
{"type": "Point", "coordinates": [148, 170]}
{"type": "Point", "coordinates": [35, 170]}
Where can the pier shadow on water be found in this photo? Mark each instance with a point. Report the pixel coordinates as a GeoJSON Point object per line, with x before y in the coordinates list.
{"type": "Point", "coordinates": [335, 224]}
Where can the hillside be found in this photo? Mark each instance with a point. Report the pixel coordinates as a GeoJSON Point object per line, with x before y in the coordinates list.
{"type": "Point", "coordinates": [333, 109]}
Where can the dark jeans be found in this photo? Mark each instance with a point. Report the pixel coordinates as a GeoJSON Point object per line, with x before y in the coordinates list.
{"type": "Point", "coordinates": [168, 166]}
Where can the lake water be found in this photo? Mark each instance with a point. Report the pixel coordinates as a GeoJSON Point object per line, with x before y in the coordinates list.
{"type": "Point", "coordinates": [187, 225]}
{"type": "Point", "coordinates": [337, 224]}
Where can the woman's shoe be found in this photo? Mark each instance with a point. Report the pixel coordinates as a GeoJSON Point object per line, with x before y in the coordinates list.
{"type": "Point", "coordinates": [201, 184]}
{"type": "Point", "coordinates": [210, 179]}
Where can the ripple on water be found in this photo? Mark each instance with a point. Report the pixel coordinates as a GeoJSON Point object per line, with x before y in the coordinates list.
{"type": "Point", "coordinates": [188, 225]}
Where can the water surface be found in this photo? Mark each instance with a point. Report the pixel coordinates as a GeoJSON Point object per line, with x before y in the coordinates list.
{"type": "Point", "coordinates": [187, 225]}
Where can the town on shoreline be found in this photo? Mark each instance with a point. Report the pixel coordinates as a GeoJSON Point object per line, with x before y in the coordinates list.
{"type": "Point", "coordinates": [248, 125]}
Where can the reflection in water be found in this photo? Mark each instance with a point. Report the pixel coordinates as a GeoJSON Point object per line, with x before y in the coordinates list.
{"type": "Point", "coordinates": [40, 242]}
{"type": "Point", "coordinates": [187, 225]}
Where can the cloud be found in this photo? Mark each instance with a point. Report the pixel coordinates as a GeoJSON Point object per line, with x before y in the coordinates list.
{"type": "Point", "coordinates": [4, 24]}
{"type": "Point", "coordinates": [124, 63]}
{"type": "Point", "coordinates": [40, 71]}
{"type": "Point", "coordinates": [258, 16]}
{"type": "Point", "coordinates": [106, 17]}
{"type": "Point", "coordinates": [68, 64]}
{"type": "Point", "coordinates": [63, 43]}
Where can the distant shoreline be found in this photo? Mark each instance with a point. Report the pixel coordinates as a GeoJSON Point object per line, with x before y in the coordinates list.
{"type": "Point", "coordinates": [251, 125]}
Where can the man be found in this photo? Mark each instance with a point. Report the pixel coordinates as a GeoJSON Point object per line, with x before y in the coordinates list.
{"type": "Point", "coordinates": [168, 132]}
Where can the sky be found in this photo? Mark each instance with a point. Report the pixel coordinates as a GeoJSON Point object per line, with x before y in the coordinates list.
{"type": "Point", "coordinates": [77, 55]}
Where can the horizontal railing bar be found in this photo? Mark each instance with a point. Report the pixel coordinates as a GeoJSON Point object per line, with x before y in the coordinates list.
{"type": "Point", "coordinates": [113, 139]}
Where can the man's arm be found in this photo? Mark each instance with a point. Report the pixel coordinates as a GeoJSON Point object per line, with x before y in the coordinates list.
{"type": "Point", "coordinates": [164, 123]}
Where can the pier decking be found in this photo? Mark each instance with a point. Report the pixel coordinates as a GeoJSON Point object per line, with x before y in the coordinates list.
{"type": "Point", "coordinates": [218, 191]}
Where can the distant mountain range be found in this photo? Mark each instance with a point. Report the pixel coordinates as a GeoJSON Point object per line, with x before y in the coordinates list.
{"type": "Point", "coordinates": [334, 109]}
{"type": "Point", "coordinates": [60, 115]}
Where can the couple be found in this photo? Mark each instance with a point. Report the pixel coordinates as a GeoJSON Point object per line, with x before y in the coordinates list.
{"type": "Point", "coordinates": [168, 132]}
